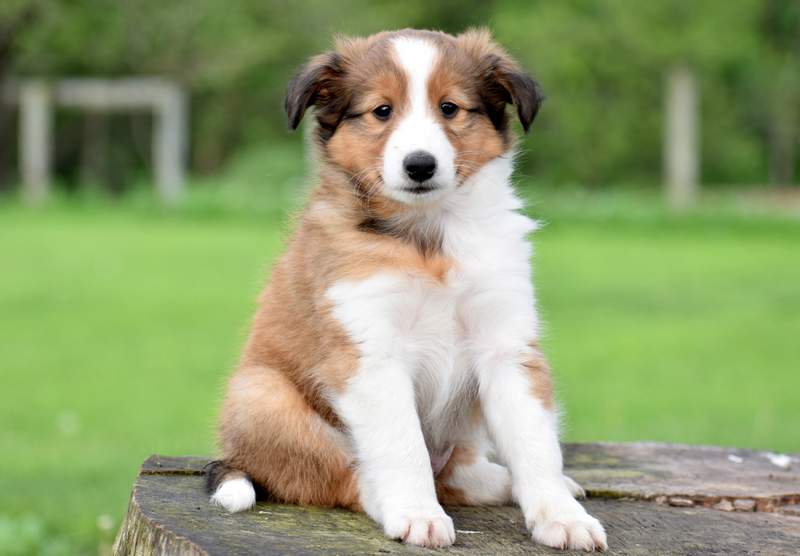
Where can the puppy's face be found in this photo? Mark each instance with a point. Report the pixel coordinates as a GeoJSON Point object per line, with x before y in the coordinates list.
{"type": "Point", "coordinates": [410, 115]}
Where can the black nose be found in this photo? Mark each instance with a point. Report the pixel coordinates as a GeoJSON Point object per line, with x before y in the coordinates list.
{"type": "Point", "coordinates": [419, 166]}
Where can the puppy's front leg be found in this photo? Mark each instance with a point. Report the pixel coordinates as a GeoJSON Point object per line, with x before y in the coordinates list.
{"type": "Point", "coordinates": [517, 406]}
{"type": "Point", "coordinates": [394, 470]}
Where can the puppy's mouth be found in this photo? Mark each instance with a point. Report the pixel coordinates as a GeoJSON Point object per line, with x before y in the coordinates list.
{"type": "Point", "coordinates": [420, 189]}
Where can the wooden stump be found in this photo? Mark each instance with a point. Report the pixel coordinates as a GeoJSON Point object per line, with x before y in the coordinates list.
{"type": "Point", "coordinates": [652, 499]}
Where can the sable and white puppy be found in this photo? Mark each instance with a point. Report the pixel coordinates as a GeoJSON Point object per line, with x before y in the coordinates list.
{"type": "Point", "coordinates": [393, 365]}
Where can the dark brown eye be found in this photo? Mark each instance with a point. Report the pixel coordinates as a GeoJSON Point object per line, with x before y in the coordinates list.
{"type": "Point", "coordinates": [383, 112]}
{"type": "Point", "coordinates": [448, 109]}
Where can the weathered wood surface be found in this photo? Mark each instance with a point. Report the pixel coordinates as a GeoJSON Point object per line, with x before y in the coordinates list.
{"type": "Point", "coordinates": [674, 473]}
{"type": "Point", "coordinates": [639, 491]}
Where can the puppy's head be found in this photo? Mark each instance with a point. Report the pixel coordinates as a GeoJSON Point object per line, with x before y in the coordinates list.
{"type": "Point", "coordinates": [410, 115]}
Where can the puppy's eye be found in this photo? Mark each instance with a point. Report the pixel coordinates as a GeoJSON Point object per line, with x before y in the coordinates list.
{"type": "Point", "coordinates": [448, 109]}
{"type": "Point", "coordinates": [383, 112]}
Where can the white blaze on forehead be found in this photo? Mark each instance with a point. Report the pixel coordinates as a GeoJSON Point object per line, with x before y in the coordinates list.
{"type": "Point", "coordinates": [416, 57]}
{"type": "Point", "coordinates": [418, 128]}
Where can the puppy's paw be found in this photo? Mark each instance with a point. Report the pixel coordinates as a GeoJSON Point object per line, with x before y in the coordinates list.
{"type": "Point", "coordinates": [428, 527]}
{"type": "Point", "coordinates": [563, 523]}
{"type": "Point", "coordinates": [575, 489]}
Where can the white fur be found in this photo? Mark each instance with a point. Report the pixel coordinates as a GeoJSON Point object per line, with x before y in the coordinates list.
{"type": "Point", "coordinates": [235, 495]}
{"type": "Point", "coordinates": [419, 129]}
{"type": "Point", "coordinates": [483, 482]}
{"type": "Point", "coordinates": [430, 350]}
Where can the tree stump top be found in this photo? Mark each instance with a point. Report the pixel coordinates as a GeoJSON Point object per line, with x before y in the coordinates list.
{"type": "Point", "coordinates": [652, 499]}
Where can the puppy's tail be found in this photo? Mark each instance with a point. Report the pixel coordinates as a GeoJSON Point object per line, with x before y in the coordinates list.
{"type": "Point", "coordinates": [229, 488]}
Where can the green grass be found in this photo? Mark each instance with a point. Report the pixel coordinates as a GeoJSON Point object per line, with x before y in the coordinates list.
{"type": "Point", "coordinates": [118, 325]}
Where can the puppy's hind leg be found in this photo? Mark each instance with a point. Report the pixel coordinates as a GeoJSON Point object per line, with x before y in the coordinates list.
{"type": "Point", "coordinates": [574, 488]}
{"type": "Point", "coordinates": [470, 479]}
{"type": "Point", "coordinates": [273, 438]}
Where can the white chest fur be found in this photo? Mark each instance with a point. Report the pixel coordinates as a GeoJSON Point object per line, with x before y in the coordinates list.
{"type": "Point", "coordinates": [441, 332]}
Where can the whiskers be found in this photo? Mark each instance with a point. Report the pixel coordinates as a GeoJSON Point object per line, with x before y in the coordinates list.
{"type": "Point", "coordinates": [465, 169]}
{"type": "Point", "coordinates": [367, 182]}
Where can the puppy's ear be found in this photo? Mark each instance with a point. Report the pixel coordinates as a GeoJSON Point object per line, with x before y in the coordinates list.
{"type": "Point", "coordinates": [318, 83]}
{"type": "Point", "coordinates": [502, 80]}
{"type": "Point", "coordinates": [519, 89]}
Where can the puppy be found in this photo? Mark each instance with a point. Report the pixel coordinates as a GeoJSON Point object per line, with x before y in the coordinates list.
{"type": "Point", "coordinates": [394, 364]}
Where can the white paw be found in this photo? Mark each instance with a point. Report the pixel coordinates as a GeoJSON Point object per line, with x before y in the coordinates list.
{"type": "Point", "coordinates": [235, 495]}
{"type": "Point", "coordinates": [564, 523]}
{"type": "Point", "coordinates": [575, 489]}
{"type": "Point", "coordinates": [430, 528]}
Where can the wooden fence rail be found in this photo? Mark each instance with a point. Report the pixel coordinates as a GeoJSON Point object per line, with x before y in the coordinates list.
{"type": "Point", "coordinates": [37, 99]}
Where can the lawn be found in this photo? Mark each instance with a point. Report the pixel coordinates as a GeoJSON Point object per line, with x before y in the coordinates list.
{"type": "Point", "coordinates": [118, 326]}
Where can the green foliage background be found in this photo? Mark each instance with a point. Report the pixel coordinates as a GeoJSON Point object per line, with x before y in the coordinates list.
{"type": "Point", "coordinates": [601, 63]}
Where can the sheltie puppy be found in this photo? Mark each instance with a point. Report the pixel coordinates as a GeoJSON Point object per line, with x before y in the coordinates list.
{"type": "Point", "coordinates": [393, 365]}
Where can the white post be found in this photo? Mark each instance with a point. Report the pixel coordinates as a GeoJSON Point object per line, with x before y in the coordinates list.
{"type": "Point", "coordinates": [170, 143]}
{"type": "Point", "coordinates": [35, 131]}
{"type": "Point", "coordinates": [681, 153]}
{"type": "Point", "coordinates": [168, 101]}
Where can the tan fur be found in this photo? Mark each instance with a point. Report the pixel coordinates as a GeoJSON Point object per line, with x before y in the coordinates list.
{"type": "Point", "coordinates": [539, 372]}
{"type": "Point", "coordinates": [276, 423]}
{"type": "Point", "coordinates": [448, 495]}
{"type": "Point", "coordinates": [357, 146]}
{"type": "Point", "coordinates": [473, 137]}
{"type": "Point", "coordinates": [272, 433]}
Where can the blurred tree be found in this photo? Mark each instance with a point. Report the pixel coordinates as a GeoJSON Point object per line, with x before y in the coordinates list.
{"type": "Point", "coordinates": [780, 71]}
{"type": "Point", "coordinates": [15, 15]}
{"type": "Point", "coordinates": [603, 65]}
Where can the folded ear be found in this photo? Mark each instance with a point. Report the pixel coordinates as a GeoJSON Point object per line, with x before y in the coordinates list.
{"type": "Point", "coordinates": [521, 90]}
{"type": "Point", "coordinates": [503, 81]}
{"type": "Point", "coordinates": [318, 83]}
